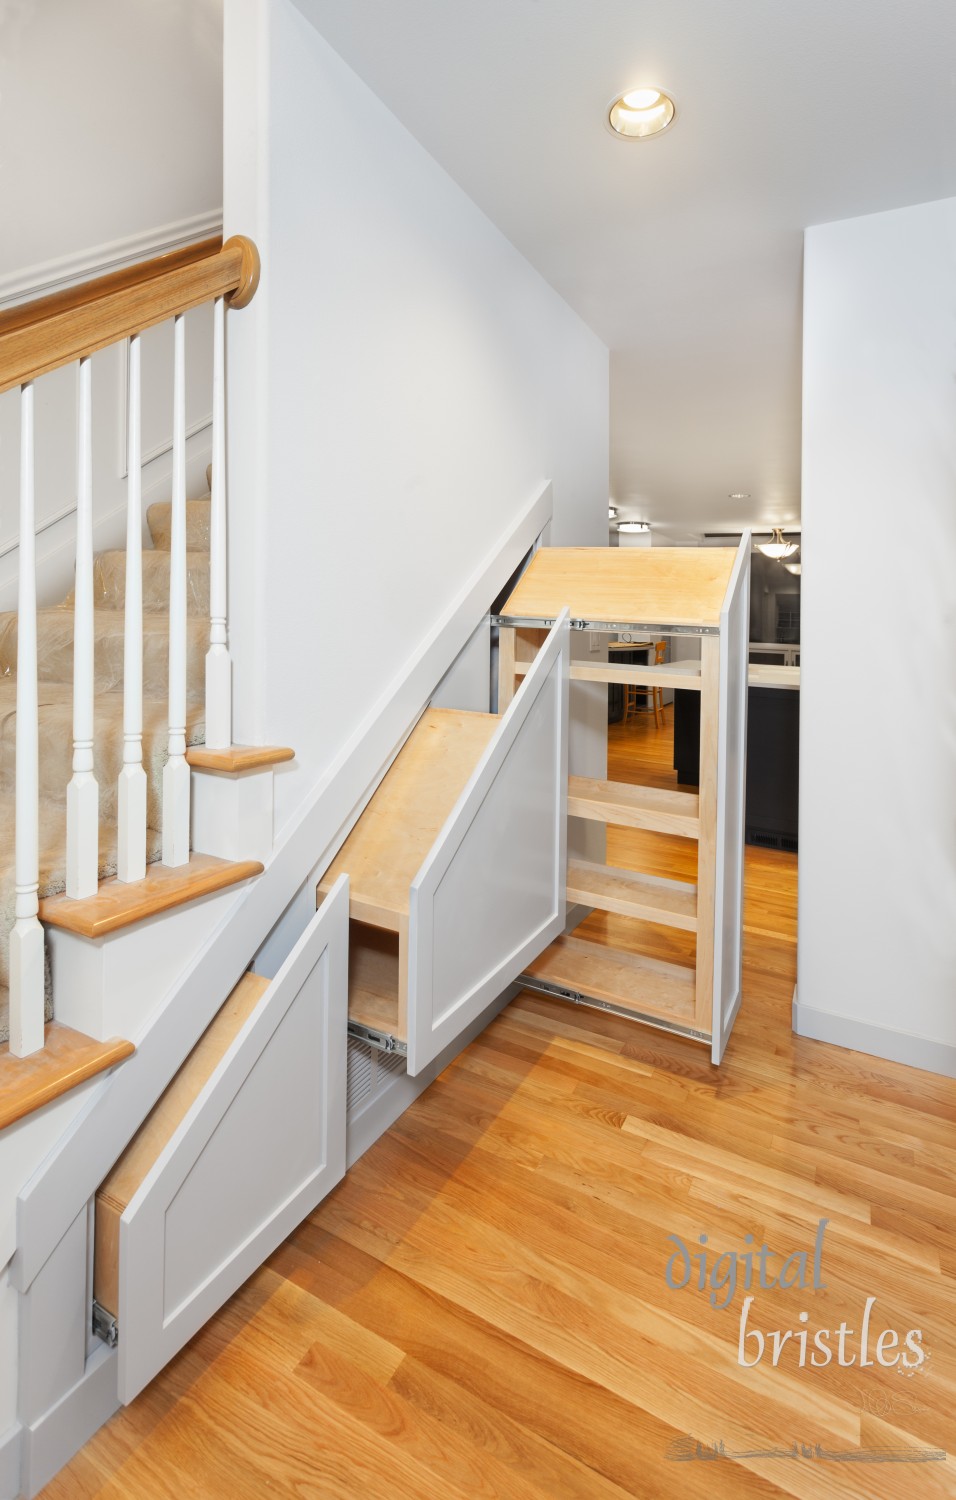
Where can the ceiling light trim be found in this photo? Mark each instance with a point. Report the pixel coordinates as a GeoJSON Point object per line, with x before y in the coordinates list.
{"type": "Point", "coordinates": [658, 117]}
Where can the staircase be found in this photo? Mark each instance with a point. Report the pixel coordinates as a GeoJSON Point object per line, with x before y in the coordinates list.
{"type": "Point", "coordinates": [55, 669]}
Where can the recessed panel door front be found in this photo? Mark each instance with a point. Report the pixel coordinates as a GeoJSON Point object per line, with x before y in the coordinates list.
{"type": "Point", "coordinates": [491, 894]}
{"type": "Point", "coordinates": [732, 783]}
{"type": "Point", "coordinates": [263, 1142]}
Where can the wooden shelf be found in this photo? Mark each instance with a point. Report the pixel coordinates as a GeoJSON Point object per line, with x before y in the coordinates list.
{"type": "Point", "coordinates": [68, 1059]}
{"type": "Point", "coordinates": [118, 905]}
{"type": "Point", "coordinates": [627, 806]}
{"type": "Point", "coordinates": [626, 673]}
{"type": "Point", "coordinates": [653, 592]}
{"type": "Point", "coordinates": [658, 586]}
{"type": "Point", "coordinates": [236, 758]}
{"type": "Point", "coordinates": [389, 844]}
{"type": "Point", "coordinates": [667, 902]}
{"type": "Point", "coordinates": [645, 986]}
{"type": "Point", "coordinates": [376, 990]}
{"type": "Point", "coordinates": [768, 674]}
{"type": "Point", "coordinates": [158, 1128]}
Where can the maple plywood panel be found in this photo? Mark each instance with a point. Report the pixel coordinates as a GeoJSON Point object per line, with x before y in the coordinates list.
{"type": "Point", "coordinates": [391, 840]}
{"type": "Point", "coordinates": [654, 585]}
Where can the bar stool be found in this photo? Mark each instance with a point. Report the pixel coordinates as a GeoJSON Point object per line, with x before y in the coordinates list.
{"type": "Point", "coordinates": [653, 695]}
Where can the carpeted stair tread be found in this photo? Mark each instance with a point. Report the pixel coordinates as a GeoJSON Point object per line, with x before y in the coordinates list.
{"type": "Point", "coordinates": [159, 519]}
{"type": "Point", "coordinates": [109, 582]}
{"type": "Point", "coordinates": [52, 869]}
{"type": "Point", "coordinates": [56, 743]}
{"type": "Point", "coordinates": [55, 649]}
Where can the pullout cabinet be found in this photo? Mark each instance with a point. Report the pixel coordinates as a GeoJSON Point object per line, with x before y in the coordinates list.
{"type": "Point", "coordinates": [457, 867]}
{"type": "Point", "coordinates": [246, 1140]}
{"type": "Point", "coordinates": [701, 592]}
{"type": "Point", "coordinates": [453, 883]}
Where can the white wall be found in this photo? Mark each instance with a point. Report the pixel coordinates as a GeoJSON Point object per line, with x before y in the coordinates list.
{"type": "Point", "coordinates": [401, 386]}
{"type": "Point", "coordinates": [122, 158]}
{"type": "Point", "coordinates": [111, 116]}
{"type": "Point", "coordinates": [877, 945]}
{"type": "Point", "coordinates": [55, 416]}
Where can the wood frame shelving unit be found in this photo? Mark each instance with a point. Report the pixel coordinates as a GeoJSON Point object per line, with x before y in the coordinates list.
{"type": "Point", "coordinates": [666, 592]}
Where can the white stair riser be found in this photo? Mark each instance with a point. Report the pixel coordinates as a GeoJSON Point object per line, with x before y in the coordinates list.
{"type": "Point", "coordinates": [232, 815]}
{"type": "Point", "coordinates": [110, 986]}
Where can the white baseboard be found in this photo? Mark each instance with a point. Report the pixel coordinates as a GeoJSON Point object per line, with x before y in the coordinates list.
{"type": "Point", "coordinates": [53, 275]}
{"type": "Point", "coordinates": [878, 1041]}
{"type": "Point", "coordinates": [10, 1465]}
{"type": "Point", "coordinates": [61, 1432]}
{"type": "Point", "coordinates": [368, 1124]}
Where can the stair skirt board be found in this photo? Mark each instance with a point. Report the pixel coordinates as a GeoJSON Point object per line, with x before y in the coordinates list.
{"type": "Point", "coordinates": [216, 1177]}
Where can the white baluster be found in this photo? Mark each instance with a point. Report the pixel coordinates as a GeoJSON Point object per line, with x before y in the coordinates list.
{"type": "Point", "coordinates": [131, 788]}
{"type": "Point", "coordinates": [176, 770]}
{"type": "Point", "coordinates": [218, 661]}
{"type": "Point", "coordinates": [82, 794]}
{"type": "Point", "coordinates": [26, 939]}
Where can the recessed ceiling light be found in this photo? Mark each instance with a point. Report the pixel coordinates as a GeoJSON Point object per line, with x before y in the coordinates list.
{"type": "Point", "coordinates": [739, 495]}
{"type": "Point", "coordinates": [634, 526]}
{"type": "Point", "coordinates": [642, 98]}
{"type": "Point", "coordinates": [640, 113]}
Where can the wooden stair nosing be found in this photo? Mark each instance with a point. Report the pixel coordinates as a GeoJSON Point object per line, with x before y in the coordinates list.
{"type": "Point", "coordinates": [236, 758]}
{"type": "Point", "coordinates": [627, 806]}
{"type": "Point", "coordinates": [67, 1059]}
{"type": "Point", "coordinates": [631, 894]}
{"type": "Point", "coordinates": [118, 905]}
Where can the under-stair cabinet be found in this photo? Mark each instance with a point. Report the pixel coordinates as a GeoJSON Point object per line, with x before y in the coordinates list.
{"type": "Point", "coordinates": [650, 593]}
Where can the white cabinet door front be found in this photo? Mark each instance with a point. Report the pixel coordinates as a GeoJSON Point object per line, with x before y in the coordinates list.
{"type": "Point", "coordinates": [732, 778]}
{"type": "Point", "coordinates": [491, 893]}
{"type": "Point", "coordinates": [263, 1142]}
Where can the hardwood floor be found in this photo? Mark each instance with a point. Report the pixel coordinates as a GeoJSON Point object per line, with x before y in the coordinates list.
{"type": "Point", "coordinates": [480, 1310]}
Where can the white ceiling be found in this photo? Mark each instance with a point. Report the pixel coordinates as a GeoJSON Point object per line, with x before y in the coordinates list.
{"type": "Point", "coordinates": [684, 252]}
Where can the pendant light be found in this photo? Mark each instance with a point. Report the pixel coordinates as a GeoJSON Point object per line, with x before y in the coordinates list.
{"type": "Point", "coordinates": [778, 548]}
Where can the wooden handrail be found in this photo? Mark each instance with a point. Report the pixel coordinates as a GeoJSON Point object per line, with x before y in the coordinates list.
{"type": "Point", "coordinates": [42, 335]}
